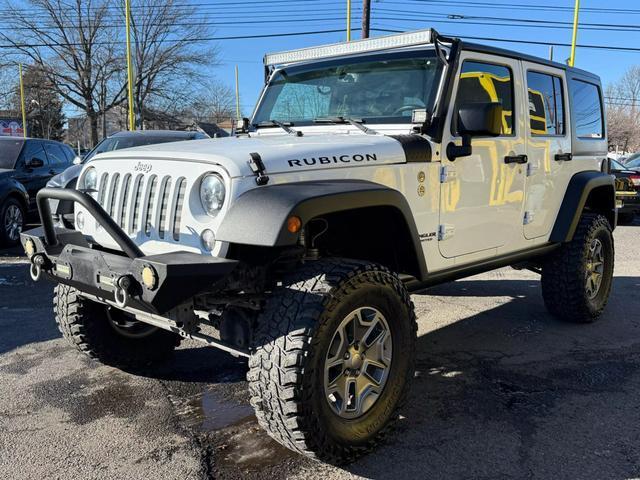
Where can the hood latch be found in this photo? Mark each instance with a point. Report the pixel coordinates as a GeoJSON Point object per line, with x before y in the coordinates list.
{"type": "Point", "coordinates": [257, 167]}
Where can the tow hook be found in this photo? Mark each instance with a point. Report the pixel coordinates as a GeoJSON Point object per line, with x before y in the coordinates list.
{"type": "Point", "coordinates": [38, 262]}
{"type": "Point", "coordinates": [123, 287]}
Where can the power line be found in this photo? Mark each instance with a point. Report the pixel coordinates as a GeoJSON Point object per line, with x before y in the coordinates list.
{"type": "Point", "coordinates": [200, 39]}
{"type": "Point", "coordinates": [530, 42]}
{"type": "Point", "coordinates": [526, 6]}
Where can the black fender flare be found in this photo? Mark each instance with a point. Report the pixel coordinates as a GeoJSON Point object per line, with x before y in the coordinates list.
{"type": "Point", "coordinates": [575, 199]}
{"type": "Point", "coordinates": [259, 216]}
{"type": "Point", "coordinates": [11, 187]}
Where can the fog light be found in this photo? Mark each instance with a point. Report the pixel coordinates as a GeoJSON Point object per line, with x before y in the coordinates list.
{"type": "Point", "coordinates": [29, 248]}
{"type": "Point", "coordinates": [149, 277]}
{"type": "Point", "coordinates": [208, 240]}
{"type": "Point", "coordinates": [80, 221]}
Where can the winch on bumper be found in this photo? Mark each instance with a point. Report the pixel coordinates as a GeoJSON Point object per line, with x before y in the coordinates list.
{"type": "Point", "coordinates": [154, 283]}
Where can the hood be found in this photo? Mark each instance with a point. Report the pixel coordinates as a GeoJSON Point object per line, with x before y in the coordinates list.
{"type": "Point", "coordinates": [279, 153]}
{"type": "Point", "coordinates": [63, 180]}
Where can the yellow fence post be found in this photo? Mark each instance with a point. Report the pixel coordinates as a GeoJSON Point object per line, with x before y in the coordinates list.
{"type": "Point", "coordinates": [132, 118]}
{"type": "Point", "coordinates": [22, 106]}
{"type": "Point", "coordinates": [572, 58]}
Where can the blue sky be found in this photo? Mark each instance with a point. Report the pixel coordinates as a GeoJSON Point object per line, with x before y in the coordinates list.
{"type": "Point", "coordinates": [281, 16]}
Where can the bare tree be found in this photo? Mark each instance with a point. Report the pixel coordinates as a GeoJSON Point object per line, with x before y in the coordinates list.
{"type": "Point", "coordinates": [623, 111]}
{"type": "Point", "coordinates": [71, 43]}
{"type": "Point", "coordinates": [168, 49]}
{"type": "Point", "coordinates": [208, 101]}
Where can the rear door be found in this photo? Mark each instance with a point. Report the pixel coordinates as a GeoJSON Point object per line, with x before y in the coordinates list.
{"type": "Point", "coordinates": [548, 147]}
{"type": "Point", "coordinates": [482, 194]}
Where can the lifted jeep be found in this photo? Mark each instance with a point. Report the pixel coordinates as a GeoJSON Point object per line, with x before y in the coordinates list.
{"type": "Point", "coordinates": [369, 169]}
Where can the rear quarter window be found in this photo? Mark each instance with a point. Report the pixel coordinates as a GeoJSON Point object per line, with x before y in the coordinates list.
{"type": "Point", "coordinates": [587, 110]}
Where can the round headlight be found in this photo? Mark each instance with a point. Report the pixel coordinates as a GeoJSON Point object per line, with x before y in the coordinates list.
{"type": "Point", "coordinates": [89, 180]}
{"type": "Point", "coordinates": [212, 193]}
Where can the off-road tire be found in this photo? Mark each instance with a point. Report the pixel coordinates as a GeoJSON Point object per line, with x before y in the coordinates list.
{"type": "Point", "coordinates": [5, 240]}
{"type": "Point", "coordinates": [563, 273]}
{"type": "Point", "coordinates": [287, 367]}
{"type": "Point", "coordinates": [85, 325]}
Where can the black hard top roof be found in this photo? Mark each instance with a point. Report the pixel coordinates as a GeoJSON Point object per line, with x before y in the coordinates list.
{"type": "Point", "coordinates": [475, 47]}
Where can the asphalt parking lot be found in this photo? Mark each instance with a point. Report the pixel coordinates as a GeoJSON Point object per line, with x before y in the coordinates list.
{"type": "Point", "coordinates": [502, 391]}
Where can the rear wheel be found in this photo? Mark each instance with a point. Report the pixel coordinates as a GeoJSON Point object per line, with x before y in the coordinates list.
{"type": "Point", "coordinates": [577, 277]}
{"type": "Point", "coordinates": [333, 359]}
{"type": "Point", "coordinates": [109, 335]}
{"type": "Point", "coordinates": [11, 222]}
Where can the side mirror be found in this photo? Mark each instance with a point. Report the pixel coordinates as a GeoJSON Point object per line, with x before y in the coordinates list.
{"type": "Point", "coordinates": [35, 163]}
{"type": "Point", "coordinates": [77, 160]}
{"type": "Point", "coordinates": [475, 120]}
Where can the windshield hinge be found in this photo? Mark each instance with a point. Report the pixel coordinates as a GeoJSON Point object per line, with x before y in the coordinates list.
{"type": "Point", "coordinates": [257, 167]}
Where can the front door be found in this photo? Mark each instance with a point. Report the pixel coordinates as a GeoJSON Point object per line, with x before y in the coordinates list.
{"type": "Point", "coordinates": [33, 177]}
{"type": "Point", "coordinates": [548, 147]}
{"type": "Point", "coordinates": [482, 194]}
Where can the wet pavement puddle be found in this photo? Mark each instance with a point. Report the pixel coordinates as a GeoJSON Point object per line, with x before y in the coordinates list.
{"type": "Point", "coordinates": [232, 430]}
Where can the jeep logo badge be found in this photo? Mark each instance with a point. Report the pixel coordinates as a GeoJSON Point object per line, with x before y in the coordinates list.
{"type": "Point", "coordinates": [142, 167]}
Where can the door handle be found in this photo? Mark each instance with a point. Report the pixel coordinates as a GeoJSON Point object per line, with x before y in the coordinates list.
{"type": "Point", "coordinates": [559, 157]}
{"type": "Point", "coordinates": [516, 159]}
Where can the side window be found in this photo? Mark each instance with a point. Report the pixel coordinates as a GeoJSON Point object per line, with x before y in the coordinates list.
{"type": "Point", "coordinates": [587, 109]}
{"type": "Point", "coordinates": [546, 104]}
{"type": "Point", "coordinates": [484, 83]}
{"type": "Point", "coordinates": [70, 154]}
{"type": "Point", "coordinates": [32, 149]}
{"type": "Point", "coordinates": [55, 154]}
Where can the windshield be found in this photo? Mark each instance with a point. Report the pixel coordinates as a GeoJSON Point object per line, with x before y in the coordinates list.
{"type": "Point", "coordinates": [9, 152]}
{"type": "Point", "coordinates": [633, 161]}
{"type": "Point", "coordinates": [118, 143]}
{"type": "Point", "coordinates": [384, 90]}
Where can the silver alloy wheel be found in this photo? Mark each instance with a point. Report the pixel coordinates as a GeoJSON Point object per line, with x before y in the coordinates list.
{"type": "Point", "coordinates": [127, 326]}
{"type": "Point", "coordinates": [13, 222]}
{"type": "Point", "coordinates": [594, 269]}
{"type": "Point", "coordinates": [357, 363]}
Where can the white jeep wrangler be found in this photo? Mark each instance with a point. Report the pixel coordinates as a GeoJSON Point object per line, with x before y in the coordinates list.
{"type": "Point", "coordinates": [369, 170]}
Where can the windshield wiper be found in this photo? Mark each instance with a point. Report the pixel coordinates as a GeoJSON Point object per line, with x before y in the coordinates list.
{"type": "Point", "coordinates": [283, 126]}
{"type": "Point", "coordinates": [358, 123]}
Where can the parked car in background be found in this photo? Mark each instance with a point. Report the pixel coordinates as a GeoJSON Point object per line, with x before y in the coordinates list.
{"type": "Point", "coordinates": [627, 191]}
{"type": "Point", "coordinates": [63, 211]}
{"type": "Point", "coordinates": [632, 161]}
{"type": "Point", "coordinates": [26, 165]}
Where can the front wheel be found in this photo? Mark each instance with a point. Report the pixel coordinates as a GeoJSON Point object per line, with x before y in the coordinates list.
{"type": "Point", "coordinates": [12, 217]}
{"type": "Point", "coordinates": [577, 278]}
{"type": "Point", "coordinates": [333, 359]}
{"type": "Point", "coordinates": [109, 335]}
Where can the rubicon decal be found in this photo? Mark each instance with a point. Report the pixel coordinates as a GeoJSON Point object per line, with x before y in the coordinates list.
{"type": "Point", "coordinates": [358, 157]}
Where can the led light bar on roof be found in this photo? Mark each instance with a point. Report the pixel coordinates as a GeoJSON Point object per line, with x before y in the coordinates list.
{"type": "Point", "coordinates": [357, 46]}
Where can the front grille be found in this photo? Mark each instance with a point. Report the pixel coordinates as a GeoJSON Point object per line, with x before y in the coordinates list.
{"type": "Point", "coordinates": [148, 204]}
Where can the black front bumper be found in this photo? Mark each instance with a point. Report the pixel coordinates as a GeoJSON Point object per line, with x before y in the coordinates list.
{"type": "Point", "coordinates": [66, 257]}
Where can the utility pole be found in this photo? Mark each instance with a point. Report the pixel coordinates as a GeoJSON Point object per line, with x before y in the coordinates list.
{"type": "Point", "coordinates": [366, 17]}
{"type": "Point", "coordinates": [574, 37]}
{"type": "Point", "coordinates": [238, 119]}
{"type": "Point", "coordinates": [348, 20]}
{"type": "Point", "coordinates": [132, 118]}
{"type": "Point", "coordinates": [24, 111]}
{"type": "Point", "coordinates": [551, 53]}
